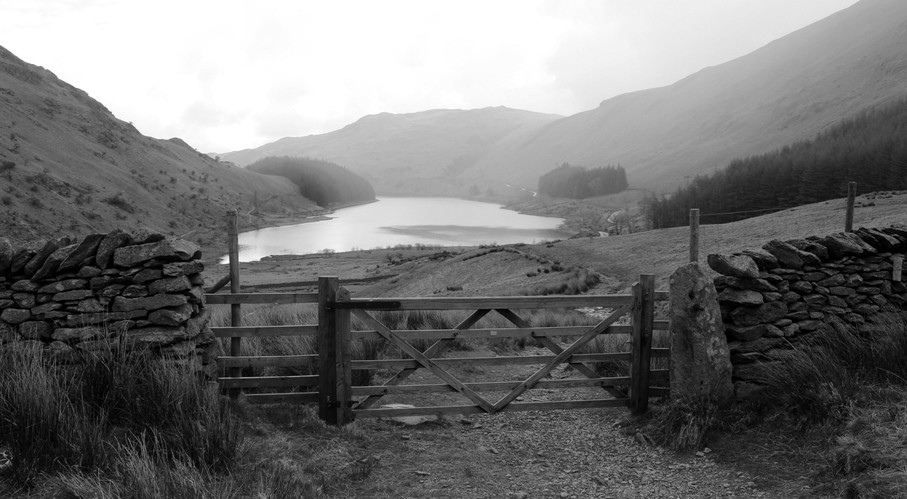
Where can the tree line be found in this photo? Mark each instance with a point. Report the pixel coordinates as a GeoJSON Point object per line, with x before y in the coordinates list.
{"type": "Point", "coordinates": [323, 182]}
{"type": "Point", "coordinates": [578, 182]}
{"type": "Point", "coordinates": [870, 149]}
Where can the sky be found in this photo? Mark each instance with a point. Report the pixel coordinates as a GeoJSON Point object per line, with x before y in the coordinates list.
{"type": "Point", "coordinates": [225, 75]}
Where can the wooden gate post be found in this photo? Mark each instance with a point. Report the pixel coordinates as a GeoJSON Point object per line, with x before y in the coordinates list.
{"type": "Point", "coordinates": [334, 353]}
{"type": "Point", "coordinates": [643, 324]}
{"type": "Point", "coordinates": [851, 196]}
{"type": "Point", "coordinates": [694, 234]}
{"type": "Point", "coordinates": [235, 308]}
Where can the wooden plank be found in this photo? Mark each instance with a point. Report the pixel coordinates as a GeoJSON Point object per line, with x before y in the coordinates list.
{"type": "Point", "coordinates": [643, 317]}
{"type": "Point", "coordinates": [492, 361]}
{"type": "Point", "coordinates": [508, 302]}
{"type": "Point", "coordinates": [430, 352]}
{"type": "Point", "coordinates": [282, 398]}
{"type": "Point", "coordinates": [493, 386]}
{"type": "Point", "coordinates": [261, 298]}
{"type": "Point", "coordinates": [556, 349]}
{"type": "Point", "coordinates": [267, 361]}
{"type": "Point", "coordinates": [561, 357]}
{"type": "Point", "coordinates": [268, 381]}
{"type": "Point", "coordinates": [424, 361]}
{"type": "Point", "coordinates": [219, 284]}
{"type": "Point", "coordinates": [265, 331]}
{"type": "Point", "coordinates": [507, 332]}
{"type": "Point", "coordinates": [471, 409]}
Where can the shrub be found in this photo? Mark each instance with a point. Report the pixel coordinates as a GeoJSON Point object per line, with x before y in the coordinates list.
{"type": "Point", "coordinates": [117, 201]}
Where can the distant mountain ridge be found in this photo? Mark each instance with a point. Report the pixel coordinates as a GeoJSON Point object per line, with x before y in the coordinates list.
{"type": "Point", "coordinates": [68, 166]}
{"type": "Point", "coordinates": [784, 92]}
{"type": "Point", "coordinates": [398, 151]}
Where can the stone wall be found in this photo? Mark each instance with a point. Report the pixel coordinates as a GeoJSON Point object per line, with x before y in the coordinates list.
{"type": "Point", "coordinates": [140, 289]}
{"type": "Point", "coordinates": [775, 297]}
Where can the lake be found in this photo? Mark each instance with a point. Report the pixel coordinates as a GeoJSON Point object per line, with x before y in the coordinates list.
{"type": "Point", "coordinates": [402, 220]}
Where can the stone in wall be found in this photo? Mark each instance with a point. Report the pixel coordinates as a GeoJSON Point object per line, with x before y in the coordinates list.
{"type": "Point", "coordinates": [803, 285]}
{"type": "Point", "coordinates": [74, 297]}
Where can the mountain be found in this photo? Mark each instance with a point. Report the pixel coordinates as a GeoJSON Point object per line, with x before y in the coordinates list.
{"type": "Point", "coordinates": [406, 153]}
{"type": "Point", "coordinates": [784, 92]}
{"type": "Point", "coordinates": [68, 166]}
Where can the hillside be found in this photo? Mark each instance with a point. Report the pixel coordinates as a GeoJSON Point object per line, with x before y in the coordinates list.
{"type": "Point", "coordinates": [784, 92]}
{"type": "Point", "coordinates": [326, 183]}
{"type": "Point", "coordinates": [67, 165]}
{"type": "Point", "coordinates": [407, 153]}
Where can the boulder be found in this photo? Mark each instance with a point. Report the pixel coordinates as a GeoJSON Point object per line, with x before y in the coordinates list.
{"type": "Point", "coordinates": [734, 266]}
{"type": "Point", "coordinates": [840, 245]}
{"type": "Point", "coordinates": [701, 361]}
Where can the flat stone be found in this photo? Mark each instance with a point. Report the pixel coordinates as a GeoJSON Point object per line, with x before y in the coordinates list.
{"type": "Point", "coordinates": [840, 245]}
{"type": "Point", "coordinates": [812, 247]}
{"type": "Point", "coordinates": [24, 300]}
{"type": "Point", "coordinates": [842, 291]}
{"type": "Point", "coordinates": [183, 268]}
{"type": "Point", "coordinates": [155, 336]}
{"type": "Point", "coordinates": [770, 296]}
{"type": "Point", "coordinates": [87, 272]}
{"type": "Point", "coordinates": [78, 334]}
{"type": "Point", "coordinates": [171, 316]}
{"type": "Point", "coordinates": [765, 313]}
{"type": "Point", "coordinates": [91, 305]}
{"type": "Point", "coordinates": [52, 263]}
{"type": "Point", "coordinates": [790, 330]}
{"type": "Point", "coordinates": [121, 304]}
{"type": "Point", "coordinates": [135, 291]}
{"type": "Point", "coordinates": [85, 248]}
{"type": "Point", "coordinates": [76, 294]}
{"type": "Point", "coordinates": [146, 275]}
{"type": "Point", "coordinates": [834, 280]}
{"type": "Point", "coordinates": [741, 297]}
{"type": "Point", "coordinates": [750, 284]}
{"type": "Point", "coordinates": [78, 320]}
{"type": "Point", "coordinates": [789, 256]}
{"type": "Point", "coordinates": [734, 266]}
{"type": "Point", "coordinates": [15, 315]}
{"type": "Point", "coordinates": [63, 285]}
{"type": "Point", "coordinates": [809, 325]}
{"type": "Point", "coordinates": [170, 285]}
{"type": "Point", "coordinates": [35, 330]}
{"type": "Point", "coordinates": [167, 250]}
{"type": "Point", "coordinates": [764, 260]}
{"type": "Point", "coordinates": [111, 242]}
{"type": "Point", "coordinates": [802, 287]}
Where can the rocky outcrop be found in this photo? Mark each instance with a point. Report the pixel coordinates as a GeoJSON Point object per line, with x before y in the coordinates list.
{"type": "Point", "coordinates": [801, 285]}
{"type": "Point", "coordinates": [142, 290]}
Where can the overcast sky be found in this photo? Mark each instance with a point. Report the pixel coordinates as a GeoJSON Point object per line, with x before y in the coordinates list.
{"type": "Point", "coordinates": [229, 74]}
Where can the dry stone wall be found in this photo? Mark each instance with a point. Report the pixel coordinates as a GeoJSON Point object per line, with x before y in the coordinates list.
{"type": "Point", "coordinates": [140, 289]}
{"type": "Point", "coordinates": [773, 298]}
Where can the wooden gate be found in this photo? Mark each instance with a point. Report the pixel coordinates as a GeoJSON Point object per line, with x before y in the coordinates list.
{"type": "Point", "coordinates": [340, 402]}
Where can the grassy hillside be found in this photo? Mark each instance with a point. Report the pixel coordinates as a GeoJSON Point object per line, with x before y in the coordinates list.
{"type": "Point", "coordinates": [326, 183]}
{"type": "Point", "coordinates": [68, 165]}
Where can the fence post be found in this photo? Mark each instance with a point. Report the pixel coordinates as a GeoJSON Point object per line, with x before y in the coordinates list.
{"type": "Point", "coordinates": [643, 323]}
{"type": "Point", "coordinates": [330, 375]}
{"type": "Point", "coordinates": [694, 234]}
{"type": "Point", "coordinates": [851, 195]}
{"type": "Point", "coordinates": [235, 308]}
{"type": "Point", "coordinates": [344, 359]}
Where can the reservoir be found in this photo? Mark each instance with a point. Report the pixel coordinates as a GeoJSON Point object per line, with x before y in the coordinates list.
{"type": "Point", "coordinates": [402, 220]}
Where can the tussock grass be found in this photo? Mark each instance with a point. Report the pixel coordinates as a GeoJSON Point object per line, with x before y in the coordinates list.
{"type": "Point", "coordinates": [84, 420]}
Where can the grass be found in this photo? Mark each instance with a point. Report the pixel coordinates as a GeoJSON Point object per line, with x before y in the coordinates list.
{"type": "Point", "coordinates": [844, 392]}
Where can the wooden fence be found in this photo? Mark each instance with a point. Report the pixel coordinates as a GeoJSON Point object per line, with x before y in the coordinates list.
{"type": "Point", "coordinates": [340, 402]}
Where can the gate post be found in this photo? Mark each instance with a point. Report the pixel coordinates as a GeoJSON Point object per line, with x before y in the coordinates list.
{"type": "Point", "coordinates": [643, 323]}
{"type": "Point", "coordinates": [235, 308]}
{"type": "Point", "coordinates": [334, 353]}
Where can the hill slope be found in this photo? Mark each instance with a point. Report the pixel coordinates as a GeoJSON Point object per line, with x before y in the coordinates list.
{"type": "Point", "coordinates": [67, 165]}
{"type": "Point", "coordinates": [406, 153]}
{"type": "Point", "coordinates": [786, 91]}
